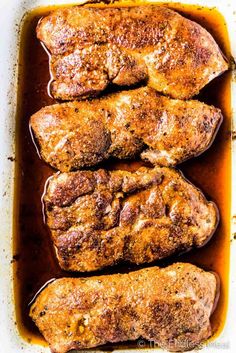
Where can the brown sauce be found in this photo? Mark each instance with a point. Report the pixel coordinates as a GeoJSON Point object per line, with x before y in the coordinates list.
{"type": "Point", "coordinates": [34, 259]}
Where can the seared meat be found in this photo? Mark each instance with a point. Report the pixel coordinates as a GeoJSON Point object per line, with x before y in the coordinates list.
{"type": "Point", "coordinates": [165, 131]}
{"type": "Point", "coordinates": [92, 47]}
{"type": "Point", "coordinates": [170, 306]}
{"type": "Point", "coordinates": [100, 218]}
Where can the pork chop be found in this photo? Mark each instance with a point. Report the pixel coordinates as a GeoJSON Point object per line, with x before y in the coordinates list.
{"type": "Point", "coordinates": [170, 307]}
{"type": "Point", "coordinates": [100, 218]}
{"type": "Point", "coordinates": [91, 48]}
{"type": "Point", "coordinates": [123, 125]}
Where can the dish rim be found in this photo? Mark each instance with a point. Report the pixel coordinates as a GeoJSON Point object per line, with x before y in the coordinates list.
{"type": "Point", "coordinates": [12, 16]}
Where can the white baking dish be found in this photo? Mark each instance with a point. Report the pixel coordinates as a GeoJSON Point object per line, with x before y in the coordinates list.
{"type": "Point", "coordinates": [11, 14]}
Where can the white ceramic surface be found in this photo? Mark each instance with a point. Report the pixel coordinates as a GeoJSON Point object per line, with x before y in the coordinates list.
{"type": "Point", "coordinates": [11, 14]}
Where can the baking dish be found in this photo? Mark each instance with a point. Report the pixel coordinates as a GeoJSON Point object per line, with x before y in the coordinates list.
{"type": "Point", "coordinates": [12, 17]}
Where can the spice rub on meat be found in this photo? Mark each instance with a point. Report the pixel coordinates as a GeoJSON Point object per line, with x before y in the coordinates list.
{"type": "Point", "coordinates": [93, 47]}
{"type": "Point", "coordinates": [123, 125]}
{"type": "Point", "coordinates": [169, 306]}
{"type": "Point", "coordinates": [100, 218]}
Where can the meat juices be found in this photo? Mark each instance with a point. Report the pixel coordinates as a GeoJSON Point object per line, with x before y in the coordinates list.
{"type": "Point", "coordinates": [124, 125]}
{"type": "Point", "coordinates": [100, 218]}
{"type": "Point", "coordinates": [169, 306]}
{"type": "Point", "coordinates": [93, 47]}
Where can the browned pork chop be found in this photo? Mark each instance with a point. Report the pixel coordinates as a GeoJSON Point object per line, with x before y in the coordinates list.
{"type": "Point", "coordinates": [169, 306]}
{"type": "Point", "coordinates": [92, 47]}
{"type": "Point", "coordinates": [99, 218]}
{"type": "Point", "coordinates": [122, 125]}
